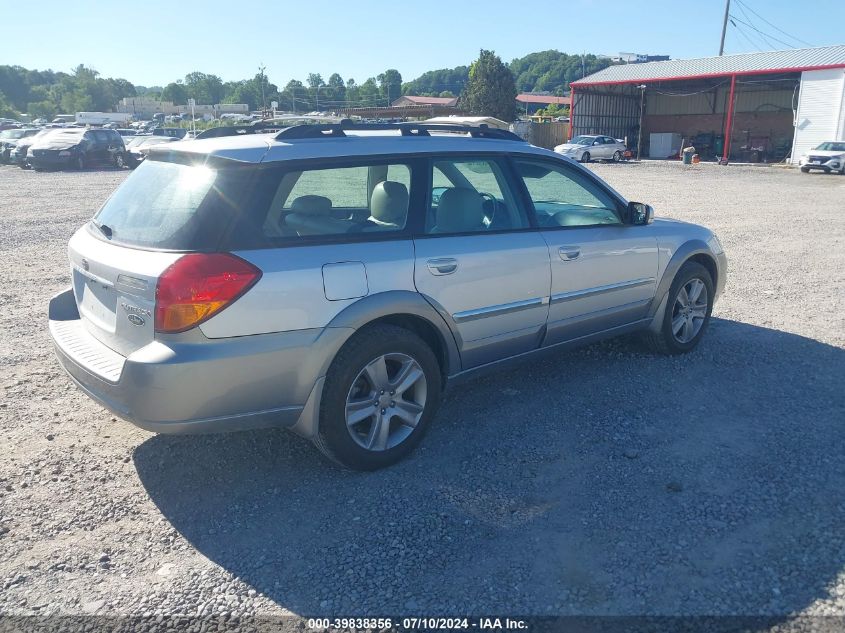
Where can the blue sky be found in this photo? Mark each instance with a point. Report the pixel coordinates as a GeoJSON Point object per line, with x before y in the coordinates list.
{"type": "Point", "coordinates": [155, 41]}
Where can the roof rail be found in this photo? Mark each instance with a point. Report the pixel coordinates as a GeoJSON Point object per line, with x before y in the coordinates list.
{"type": "Point", "coordinates": [406, 129]}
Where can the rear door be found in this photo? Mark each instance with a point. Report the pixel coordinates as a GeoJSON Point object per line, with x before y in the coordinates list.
{"type": "Point", "coordinates": [479, 262]}
{"type": "Point", "coordinates": [98, 152]}
{"type": "Point", "coordinates": [603, 271]}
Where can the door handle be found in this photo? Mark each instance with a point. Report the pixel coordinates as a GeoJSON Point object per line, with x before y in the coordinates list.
{"type": "Point", "coordinates": [568, 253]}
{"type": "Point", "coordinates": [442, 266]}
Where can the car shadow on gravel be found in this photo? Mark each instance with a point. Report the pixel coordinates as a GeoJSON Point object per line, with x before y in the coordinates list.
{"type": "Point", "coordinates": [602, 481]}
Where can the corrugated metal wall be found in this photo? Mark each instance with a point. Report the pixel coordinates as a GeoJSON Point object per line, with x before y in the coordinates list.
{"type": "Point", "coordinates": [714, 101]}
{"type": "Point", "coordinates": [615, 110]}
{"type": "Point", "coordinates": [820, 107]}
{"type": "Point", "coordinates": [605, 113]}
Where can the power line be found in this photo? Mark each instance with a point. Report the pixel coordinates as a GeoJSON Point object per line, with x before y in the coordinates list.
{"type": "Point", "coordinates": [761, 32]}
{"type": "Point", "coordinates": [800, 41]}
{"type": "Point", "coordinates": [742, 32]}
{"type": "Point", "coordinates": [762, 37]}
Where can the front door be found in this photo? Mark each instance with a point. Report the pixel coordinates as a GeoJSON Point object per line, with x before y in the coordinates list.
{"type": "Point", "coordinates": [603, 272]}
{"type": "Point", "coordinates": [480, 264]}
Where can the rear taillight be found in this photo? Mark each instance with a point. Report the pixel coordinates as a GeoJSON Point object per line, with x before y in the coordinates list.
{"type": "Point", "coordinates": [197, 286]}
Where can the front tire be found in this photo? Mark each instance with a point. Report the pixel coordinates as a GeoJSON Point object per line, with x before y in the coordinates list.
{"type": "Point", "coordinates": [380, 394]}
{"type": "Point", "coordinates": [119, 162]}
{"type": "Point", "coordinates": [688, 309]}
{"type": "Point", "coordinates": [585, 157]}
{"type": "Point", "coordinates": [80, 162]}
{"type": "Point", "coordinates": [805, 170]}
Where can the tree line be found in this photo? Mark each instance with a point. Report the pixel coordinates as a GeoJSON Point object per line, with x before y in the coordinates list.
{"type": "Point", "coordinates": [46, 93]}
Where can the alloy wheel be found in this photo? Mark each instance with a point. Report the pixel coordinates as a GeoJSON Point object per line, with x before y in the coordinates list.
{"type": "Point", "coordinates": [689, 311]}
{"type": "Point", "coordinates": [385, 402]}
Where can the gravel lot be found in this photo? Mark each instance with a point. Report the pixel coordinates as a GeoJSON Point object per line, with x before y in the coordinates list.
{"type": "Point", "coordinates": [601, 481]}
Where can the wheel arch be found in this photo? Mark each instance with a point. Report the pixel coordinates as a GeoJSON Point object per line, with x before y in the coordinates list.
{"type": "Point", "coordinates": [692, 250]}
{"type": "Point", "coordinates": [408, 309]}
{"type": "Point", "coordinates": [404, 308]}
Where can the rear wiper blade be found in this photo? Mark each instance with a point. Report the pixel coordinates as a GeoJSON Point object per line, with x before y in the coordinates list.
{"type": "Point", "coordinates": [103, 228]}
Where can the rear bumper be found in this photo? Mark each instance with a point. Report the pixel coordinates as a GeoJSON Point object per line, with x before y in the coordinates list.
{"type": "Point", "coordinates": [198, 385]}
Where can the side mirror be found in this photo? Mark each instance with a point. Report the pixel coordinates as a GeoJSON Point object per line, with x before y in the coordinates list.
{"type": "Point", "coordinates": [596, 143]}
{"type": "Point", "coordinates": [640, 213]}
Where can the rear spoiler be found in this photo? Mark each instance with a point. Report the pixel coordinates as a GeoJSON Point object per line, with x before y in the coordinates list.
{"type": "Point", "coordinates": [259, 127]}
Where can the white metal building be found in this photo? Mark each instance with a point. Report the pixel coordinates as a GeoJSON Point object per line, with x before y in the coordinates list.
{"type": "Point", "coordinates": [820, 115]}
{"type": "Point", "coordinates": [768, 106]}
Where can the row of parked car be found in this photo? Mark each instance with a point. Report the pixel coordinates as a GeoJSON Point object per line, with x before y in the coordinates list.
{"type": "Point", "coordinates": [80, 148]}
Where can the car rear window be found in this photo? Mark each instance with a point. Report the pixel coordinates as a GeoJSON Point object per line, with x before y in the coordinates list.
{"type": "Point", "coordinates": [174, 206]}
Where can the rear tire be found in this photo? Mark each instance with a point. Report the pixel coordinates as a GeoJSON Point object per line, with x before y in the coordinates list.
{"type": "Point", "coordinates": [585, 157]}
{"type": "Point", "coordinates": [687, 314]}
{"type": "Point", "coordinates": [119, 162]}
{"type": "Point", "coordinates": [80, 162]}
{"type": "Point", "coordinates": [617, 156]}
{"type": "Point", "coordinates": [364, 425]}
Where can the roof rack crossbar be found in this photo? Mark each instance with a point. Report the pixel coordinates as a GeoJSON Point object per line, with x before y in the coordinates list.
{"type": "Point", "coordinates": [405, 129]}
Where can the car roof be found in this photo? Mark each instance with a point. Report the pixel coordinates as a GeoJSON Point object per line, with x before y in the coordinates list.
{"type": "Point", "coordinates": [264, 148]}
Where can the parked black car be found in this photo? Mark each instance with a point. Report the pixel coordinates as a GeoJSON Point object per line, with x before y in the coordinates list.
{"type": "Point", "coordinates": [77, 148]}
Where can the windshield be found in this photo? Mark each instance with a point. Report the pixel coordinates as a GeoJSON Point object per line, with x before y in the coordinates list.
{"type": "Point", "coordinates": [831, 147]}
{"type": "Point", "coordinates": [582, 140]}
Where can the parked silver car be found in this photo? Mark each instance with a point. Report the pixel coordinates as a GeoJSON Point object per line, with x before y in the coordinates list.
{"type": "Point", "coordinates": [334, 279]}
{"type": "Point", "coordinates": [586, 147]}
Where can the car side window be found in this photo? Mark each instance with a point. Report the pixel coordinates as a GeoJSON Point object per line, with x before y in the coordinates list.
{"type": "Point", "coordinates": [341, 200]}
{"type": "Point", "coordinates": [564, 197]}
{"type": "Point", "coordinates": [472, 195]}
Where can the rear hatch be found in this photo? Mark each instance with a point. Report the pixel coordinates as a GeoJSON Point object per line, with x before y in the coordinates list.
{"type": "Point", "coordinates": [114, 287]}
{"type": "Point", "coordinates": [163, 211]}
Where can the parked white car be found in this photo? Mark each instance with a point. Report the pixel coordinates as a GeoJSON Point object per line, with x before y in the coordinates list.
{"type": "Point", "coordinates": [829, 157]}
{"type": "Point", "coordinates": [585, 148]}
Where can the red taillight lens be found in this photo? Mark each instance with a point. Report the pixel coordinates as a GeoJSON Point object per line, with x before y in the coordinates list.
{"type": "Point", "coordinates": [197, 286]}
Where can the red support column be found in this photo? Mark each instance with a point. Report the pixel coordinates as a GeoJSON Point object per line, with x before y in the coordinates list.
{"type": "Point", "coordinates": [571, 110]}
{"type": "Point", "coordinates": [726, 151]}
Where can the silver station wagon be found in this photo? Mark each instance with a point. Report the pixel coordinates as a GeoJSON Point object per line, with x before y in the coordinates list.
{"type": "Point", "coordinates": [334, 279]}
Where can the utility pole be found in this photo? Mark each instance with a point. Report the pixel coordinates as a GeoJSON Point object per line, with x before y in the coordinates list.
{"type": "Point", "coordinates": [263, 102]}
{"type": "Point", "coordinates": [640, 131]}
{"type": "Point", "coordinates": [724, 27]}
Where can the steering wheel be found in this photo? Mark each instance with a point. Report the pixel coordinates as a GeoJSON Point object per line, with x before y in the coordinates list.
{"type": "Point", "coordinates": [494, 204]}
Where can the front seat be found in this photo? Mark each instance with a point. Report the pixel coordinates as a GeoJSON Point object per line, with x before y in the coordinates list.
{"type": "Point", "coordinates": [460, 210]}
{"type": "Point", "coordinates": [388, 206]}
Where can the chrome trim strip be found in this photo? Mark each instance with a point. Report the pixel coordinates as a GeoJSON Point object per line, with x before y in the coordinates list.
{"type": "Point", "coordinates": [505, 308]}
{"type": "Point", "coordinates": [590, 292]}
